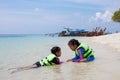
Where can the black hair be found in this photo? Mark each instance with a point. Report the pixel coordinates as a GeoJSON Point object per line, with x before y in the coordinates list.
{"type": "Point", "coordinates": [55, 49]}
{"type": "Point", "coordinates": [73, 42]}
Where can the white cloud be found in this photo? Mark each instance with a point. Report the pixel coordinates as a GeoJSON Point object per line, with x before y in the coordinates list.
{"type": "Point", "coordinates": [105, 17]}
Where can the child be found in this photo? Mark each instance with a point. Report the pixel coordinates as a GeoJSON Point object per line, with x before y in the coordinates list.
{"type": "Point", "coordinates": [82, 52]}
{"type": "Point", "coordinates": [49, 60]}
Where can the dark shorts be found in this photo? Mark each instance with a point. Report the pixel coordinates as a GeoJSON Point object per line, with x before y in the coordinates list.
{"type": "Point", "coordinates": [37, 63]}
{"type": "Point", "coordinates": [91, 58]}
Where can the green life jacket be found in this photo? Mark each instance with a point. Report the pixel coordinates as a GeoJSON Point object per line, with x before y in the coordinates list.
{"type": "Point", "coordinates": [88, 51]}
{"type": "Point", "coordinates": [47, 61]}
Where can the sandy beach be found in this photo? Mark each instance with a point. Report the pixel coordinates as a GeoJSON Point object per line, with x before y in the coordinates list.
{"type": "Point", "coordinates": [111, 40]}
{"type": "Point", "coordinates": [105, 66]}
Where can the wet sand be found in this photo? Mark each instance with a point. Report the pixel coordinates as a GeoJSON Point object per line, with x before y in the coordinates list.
{"type": "Point", "coordinates": [105, 66]}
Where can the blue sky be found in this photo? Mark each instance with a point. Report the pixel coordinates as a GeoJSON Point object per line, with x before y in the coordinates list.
{"type": "Point", "coordinates": [49, 16]}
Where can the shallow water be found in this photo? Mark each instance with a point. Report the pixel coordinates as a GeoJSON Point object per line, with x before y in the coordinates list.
{"type": "Point", "coordinates": [22, 51]}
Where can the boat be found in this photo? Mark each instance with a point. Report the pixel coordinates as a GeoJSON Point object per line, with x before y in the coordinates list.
{"type": "Point", "coordinates": [82, 32]}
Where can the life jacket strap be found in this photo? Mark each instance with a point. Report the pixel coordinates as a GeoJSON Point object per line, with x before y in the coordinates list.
{"type": "Point", "coordinates": [49, 61]}
{"type": "Point", "coordinates": [89, 54]}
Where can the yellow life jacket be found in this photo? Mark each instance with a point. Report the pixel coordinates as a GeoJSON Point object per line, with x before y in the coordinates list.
{"type": "Point", "coordinates": [88, 51]}
{"type": "Point", "coordinates": [48, 60]}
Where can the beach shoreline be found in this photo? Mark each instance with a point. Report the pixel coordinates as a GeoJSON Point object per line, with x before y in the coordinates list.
{"type": "Point", "coordinates": [111, 41]}
{"type": "Point", "coordinates": [105, 66]}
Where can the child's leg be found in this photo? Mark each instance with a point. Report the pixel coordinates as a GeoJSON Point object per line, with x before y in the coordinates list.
{"type": "Point", "coordinates": [91, 58]}
{"type": "Point", "coordinates": [22, 68]}
{"type": "Point", "coordinates": [28, 67]}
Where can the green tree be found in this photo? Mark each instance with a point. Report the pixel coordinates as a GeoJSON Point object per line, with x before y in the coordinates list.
{"type": "Point", "coordinates": [116, 16]}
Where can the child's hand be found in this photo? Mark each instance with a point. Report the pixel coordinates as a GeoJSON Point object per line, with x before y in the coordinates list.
{"type": "Point", "coordinates": [69, 60]}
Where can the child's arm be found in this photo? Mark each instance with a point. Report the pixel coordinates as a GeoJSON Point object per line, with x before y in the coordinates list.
{"type": "Point", "coordinates": [56, 61]}
{"type": "Point", "coordinates": [69, 60]}
{"type": "Point", "coordinates": [80, 56]}
{"type": "Point", "coordinates": [77, 58]}
{"type": "Point", "coordinates": [91, 58]}
{"type": "Point", "coordinates": [73, 59]}
{"type": "Point", "coordinates": [83, 60]}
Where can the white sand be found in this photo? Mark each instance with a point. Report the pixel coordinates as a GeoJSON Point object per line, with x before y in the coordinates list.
{"type": "Point", "coordinates": [112, 40]}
